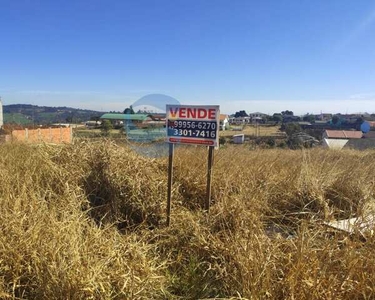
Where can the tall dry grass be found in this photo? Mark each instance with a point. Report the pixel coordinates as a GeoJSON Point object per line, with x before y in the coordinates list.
{"type": "Point", "coordinates": [50, 246]}
{"type": "Point", "coordinates": [87, 221]}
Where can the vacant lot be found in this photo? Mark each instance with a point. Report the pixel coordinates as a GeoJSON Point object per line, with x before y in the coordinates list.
{"type": "Point", "coordinates": [87, 221]}
{"type": "Point", "coordinates": [252, 130]}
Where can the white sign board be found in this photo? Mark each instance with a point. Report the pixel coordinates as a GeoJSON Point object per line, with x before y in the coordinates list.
{"type": "Point", "coordinates": [193, 124]}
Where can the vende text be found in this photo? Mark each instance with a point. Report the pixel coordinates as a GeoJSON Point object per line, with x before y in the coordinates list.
{"type": "Point", "coordinates": [192, 113]}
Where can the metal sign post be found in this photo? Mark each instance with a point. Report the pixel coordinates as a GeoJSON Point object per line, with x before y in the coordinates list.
{"type": "Point", "coordinates": [193, 125]}
{"type": "Point", "coordinates": [209, 176]}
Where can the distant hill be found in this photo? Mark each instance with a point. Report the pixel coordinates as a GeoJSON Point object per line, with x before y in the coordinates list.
{"type": "Point", "coordinates": [24, 114]}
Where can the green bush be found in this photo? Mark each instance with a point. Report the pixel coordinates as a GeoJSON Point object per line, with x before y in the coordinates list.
{"type": "Point", "coordinates": [106, 127]}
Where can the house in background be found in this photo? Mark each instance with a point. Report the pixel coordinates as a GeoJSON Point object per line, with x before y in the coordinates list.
{"type": "Point", "coordinates": [158, 116]}
{"type": "Point", "coordinates": [338, 139]}
{"type": "Point", "coordinates": [132, 120]}
{"type": "Point", "coordinates": [323, 117]}
{"type": "Point", "coordinates": [93, 124]}
{"type": "Point", "coordinates": [239, 120]}
{"type": "Point", "coordinates": [157, 119]}
{"type": "Point", "coordinates": [224, 122]}
{"type": "Point", "coordinates": [291, 119]}
{"type": "Point", "coordinates": [342, 134]}
{"type": "Point", "coordinates": [304, 124]}
{"type": "Point", "coordinates": [257, 117]}
{"type": "Point", "coordinates": [366, 142]}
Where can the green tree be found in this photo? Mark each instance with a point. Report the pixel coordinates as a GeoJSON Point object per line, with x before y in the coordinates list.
{"type": "Point", "coordinates": [287, 113]}
{"type": "Point", "coordinates": [106, 127]}
{"type": "Point", "coordinates": [129, 110]}
{"type": "Point", "coordinates": [271, 142]}
{"type": "Point", "coordinates": [277, 118]}
{"type": "Point", "coordinates": [291, 128]}
{"type": "Point", "coordinates": [266, 118]}
{"type": "Point", "coordinates": [335, 120]}
{"type": "Point", "coordinates": [359, 120]}
{"type": "Point", "coordinates": [69, 119]}
{"type": "Point", "coordinates": [241, 113]}
{"type": "Point", "coordinates": [309, 118]}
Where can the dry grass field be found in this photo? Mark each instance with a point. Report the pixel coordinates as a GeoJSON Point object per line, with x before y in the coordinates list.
{"type": "Point", "coordinates": [252, 130]}
{"type": "Point", "coordinates": [87, 221]}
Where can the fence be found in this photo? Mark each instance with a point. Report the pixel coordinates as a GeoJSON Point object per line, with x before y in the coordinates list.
{"type": "Point", "coordinates": [46, 135]}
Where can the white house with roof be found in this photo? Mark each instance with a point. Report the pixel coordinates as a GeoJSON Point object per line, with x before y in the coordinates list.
{"type": "Point", "coordinates": [256, 116]}
{"type": "Point", "coordinates": [239, 120]}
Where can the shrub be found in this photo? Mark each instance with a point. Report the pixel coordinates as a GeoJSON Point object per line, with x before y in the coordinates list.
{"type": "Point", "coordinates": [106, 127]}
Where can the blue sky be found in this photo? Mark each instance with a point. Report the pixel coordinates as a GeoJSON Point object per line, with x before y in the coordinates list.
{"type": "Point", "coordinates": [305, 56]}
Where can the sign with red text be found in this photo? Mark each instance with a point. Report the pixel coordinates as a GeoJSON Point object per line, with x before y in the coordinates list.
{"type": "Point", "coordinates": [193, 124]}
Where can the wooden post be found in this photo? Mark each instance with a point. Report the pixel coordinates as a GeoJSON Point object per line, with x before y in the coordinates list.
{"type": "Point", "coordinates": [170, 182]}
{"type": "Point", "coordinates": [209, 176]}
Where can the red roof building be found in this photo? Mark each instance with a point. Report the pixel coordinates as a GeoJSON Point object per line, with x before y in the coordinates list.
{"type": "Point", "coordinates": [342, 134]}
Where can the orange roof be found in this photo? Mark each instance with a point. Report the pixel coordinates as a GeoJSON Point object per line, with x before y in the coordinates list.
{"type": "Point", "coordinates": [223, 117]}
{"type": "Point", "coordinates": [344, 134]}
